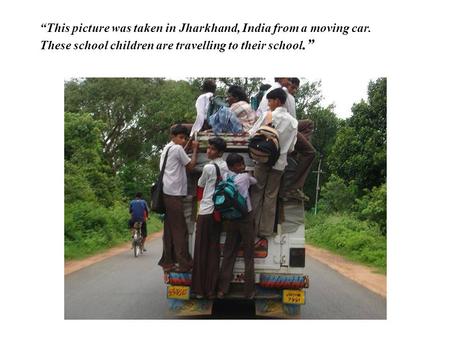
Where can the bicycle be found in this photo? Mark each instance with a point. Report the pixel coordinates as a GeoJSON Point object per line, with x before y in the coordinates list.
{"type": "Point", "coordinates": [137, 239]}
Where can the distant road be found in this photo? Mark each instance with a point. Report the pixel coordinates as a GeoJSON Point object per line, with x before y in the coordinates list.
{"type": "Point", "coordinates": [124, 287]}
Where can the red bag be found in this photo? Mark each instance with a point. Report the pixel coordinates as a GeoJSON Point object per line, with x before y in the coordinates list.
{"type": "Point", "coordinates": [216, 214]}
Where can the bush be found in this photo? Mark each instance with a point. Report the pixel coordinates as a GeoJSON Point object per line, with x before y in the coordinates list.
{"type": "Point", "coordinates": [90, 227]}
{"type": "Point", "coordinates": [337, 196]}
{"type": "Point", "coordinates": [349, 236]}
{"type": "Point", "coordinates": [372, 207]}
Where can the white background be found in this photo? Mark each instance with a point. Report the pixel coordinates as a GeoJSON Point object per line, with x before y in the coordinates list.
{"type": "Point", "coordinates": [408, 45]}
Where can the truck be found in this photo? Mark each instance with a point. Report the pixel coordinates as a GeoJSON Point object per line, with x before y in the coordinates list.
{"type": "Point", "coordinates": [279, 259]}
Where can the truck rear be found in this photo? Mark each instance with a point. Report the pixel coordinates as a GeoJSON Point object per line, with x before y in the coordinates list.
{"type": "Point", "coordinates": [279, 259]}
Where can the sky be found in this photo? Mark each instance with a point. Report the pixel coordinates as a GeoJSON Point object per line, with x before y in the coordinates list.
{"type": "Point", "coordinates": [344, 94]}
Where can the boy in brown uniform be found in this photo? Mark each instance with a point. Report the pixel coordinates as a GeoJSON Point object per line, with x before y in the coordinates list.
{"type": "Point", "coordinates": [241, 230]}
{"type": "Point", "coordinates": [205, 272]}
{"type": "Point", "coordinates": [175, 254]}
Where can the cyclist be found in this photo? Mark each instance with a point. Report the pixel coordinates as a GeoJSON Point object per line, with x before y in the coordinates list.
{"type": "Point", "coordinates": [139, 213]}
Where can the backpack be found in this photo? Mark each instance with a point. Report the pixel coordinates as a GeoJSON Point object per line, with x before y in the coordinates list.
{"type": "Point", "coordinates": [264, 146]}
{"type": "Point", "coordinates": [256, 100]}
{"type": "Point", "coordinates": [227, 199]}
{"type": "Point", "coordinates": [215, 103]}
{"type": "Point", "coordinates": [225, 121]}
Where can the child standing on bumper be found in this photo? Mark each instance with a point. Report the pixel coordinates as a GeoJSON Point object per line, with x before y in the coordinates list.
{"type": "Point", "coordinates": [175, 235]}
{"type": "Point", "coordinates": [205, 272]}
{"type": "Point", "coordinates": [241, 230]}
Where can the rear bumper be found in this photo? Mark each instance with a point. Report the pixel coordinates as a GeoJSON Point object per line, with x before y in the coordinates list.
{"type": "Point", "coordinates": [271, 298]}
{"type": "Point", "coordinates": [265, 282]}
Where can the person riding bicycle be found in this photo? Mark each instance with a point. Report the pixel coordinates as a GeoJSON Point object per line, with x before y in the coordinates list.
{"type": "Point", "coordinates": [139, 213]}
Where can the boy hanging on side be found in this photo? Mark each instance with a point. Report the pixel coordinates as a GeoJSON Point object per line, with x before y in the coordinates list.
{"type": "Point", "coordinates": [206, 250]}
{"type": "Point", "coordinates": [241, 230]}
{"type": "Point", "coordinates": [304, 150]}
{"type": "Point", "coordinates": [175, 235]}
{"type": "Point", "coordinates": [265, 192]}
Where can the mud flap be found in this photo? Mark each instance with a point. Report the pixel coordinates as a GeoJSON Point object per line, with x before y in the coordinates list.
{"type": "Point", "coordinates": [191, 307]}
{"type": "Point", "coordinates": [275, 308]}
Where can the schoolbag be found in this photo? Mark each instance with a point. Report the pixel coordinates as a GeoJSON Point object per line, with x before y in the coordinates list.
{"type": "Point", "coordinates": [215, 103]}
{"type": "Point", "coordinates": [256, 100]}
{"type": "Point", "coordinates": [225, 121]}
{"type": "Point", "coordinates": [227, 199]}
{"type": "Point", "coordinates": [264, 146]}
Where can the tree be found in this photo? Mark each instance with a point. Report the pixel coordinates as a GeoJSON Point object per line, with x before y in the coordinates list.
{"type": "Point", "coordinates": [308, 97]}
{"type": "Point", "coordinates": [337, 195]}
{"type": "Point", "coordinates": [117, 102]}
{"type": "Point", "coordinates": [326, 125]}
{"type": "Point", "coordinates": [359, 152]}
{"type": "Point", "coordinates": [169, 103]}
{"type": "Point", "coordinates": [87, 177]}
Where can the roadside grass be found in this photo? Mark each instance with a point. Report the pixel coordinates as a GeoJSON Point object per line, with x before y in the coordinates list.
{"type": "Point", "coordinates": [357, 240]}
{"type": "Point", "coordinates": [90, 229]}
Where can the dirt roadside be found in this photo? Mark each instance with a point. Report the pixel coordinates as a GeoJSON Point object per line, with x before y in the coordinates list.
{"type": "Point", "coordinates": [358, 273]}
{"type": "Point", "coordinates": [77, 264]}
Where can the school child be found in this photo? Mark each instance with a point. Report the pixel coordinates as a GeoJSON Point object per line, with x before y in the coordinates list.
{"type": "Point", "coordinates": [240, 230]}
{"type": "Point", "coordinates": [239, 105]}
{"type": "Point", "coordinates": [202, 105]}
{"type": "Point", "coordinates": [304, 150]}
{"type": "Point", "coordinates": [285, 84]}
{"type": "Point", "coordinates": [265, 192]}
{"type": "Point", "coordinates": [175, 256]}
{"type": "Point", "coordinates": [205, 272]}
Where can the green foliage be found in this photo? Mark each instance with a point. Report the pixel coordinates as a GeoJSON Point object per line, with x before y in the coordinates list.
{"type": "Point", "coordinates": [90, 228]}
{"type": "Point", "coordinates": [117, 102]}
{"type": "Point", "coordinates": [308, 97]}
{"type": "Point", "coordinates": [336, 195]}
{"type": "Point", "coordinates": [139, 176]}
{"type": "Point", "coordinates": [372, 207]}
{"type": "Point", "coordinates": [82, 139]}
{"type": "Point", "coordinates": [86, 173]}
{"type": "Point", "coordinates": [76, 185]}
{"type": "Point", "coordinates": [348, 236]}
{"type": "Point", "coordinates": [359, 152]}
{"type": "Point", "coordinates": [326, 125]}
{"type": "Point", "coordinates": [169, 103]}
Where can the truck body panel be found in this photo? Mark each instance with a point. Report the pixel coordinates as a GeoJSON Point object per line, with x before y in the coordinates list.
{"type": "Point", "coordinates": [279, 259]}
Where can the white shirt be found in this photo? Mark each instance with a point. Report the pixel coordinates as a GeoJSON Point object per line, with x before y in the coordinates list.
{"type": "Point", "coordinates": [208, 181]}
{"type": "Point", "coordinates": [289, 104]}
{"type": "Point", "coordinates": [286, 126]}
{"type": "Point", "coordinates": [174, 179]}
{"type": "Point", "coordinates": [243, 182]}
{"type": "Point", "coordinates": [202, 105]}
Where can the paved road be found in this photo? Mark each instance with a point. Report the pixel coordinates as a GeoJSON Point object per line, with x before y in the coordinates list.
{"type": "Point", "coordinates": [112, 289]}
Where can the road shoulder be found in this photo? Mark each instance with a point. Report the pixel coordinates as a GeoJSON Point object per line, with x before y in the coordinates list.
{"type": "Point", "coordinates": [77, 264]}
{"type": "Point", "coordinates": [360, 274]}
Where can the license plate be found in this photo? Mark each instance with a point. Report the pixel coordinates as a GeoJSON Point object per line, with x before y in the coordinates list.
{"type": "Point", "coordinates": [294, 296]}
{"type": "Point", "coordinates": [178, 292]}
